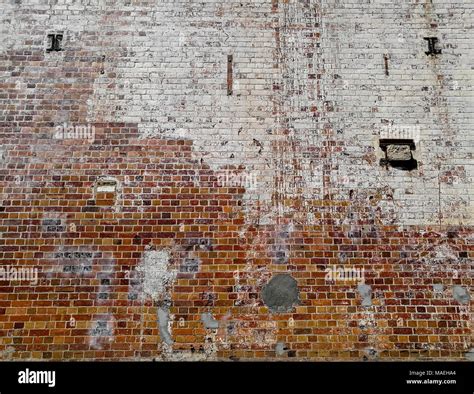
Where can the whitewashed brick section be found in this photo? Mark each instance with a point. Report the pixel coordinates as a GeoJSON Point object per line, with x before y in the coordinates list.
{"type": "Point", "coordinates": [310, 96]}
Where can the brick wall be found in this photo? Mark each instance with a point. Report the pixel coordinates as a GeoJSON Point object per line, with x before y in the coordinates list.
{"type": "Point", "coordinates": [208, 180]}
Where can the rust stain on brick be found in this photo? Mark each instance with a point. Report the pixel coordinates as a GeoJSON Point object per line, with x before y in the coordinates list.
{"type": "Point", "coordinates": [230, 74]}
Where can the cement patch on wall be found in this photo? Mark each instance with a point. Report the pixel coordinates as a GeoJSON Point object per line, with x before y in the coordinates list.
{"type": "Point", "coordinates": [156, 273]}
{"type": "Point", "coordinates": [281, 293]}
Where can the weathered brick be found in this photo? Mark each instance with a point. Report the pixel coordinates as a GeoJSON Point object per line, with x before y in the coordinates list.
{"type": "Point", "coordinates": [173, 157]}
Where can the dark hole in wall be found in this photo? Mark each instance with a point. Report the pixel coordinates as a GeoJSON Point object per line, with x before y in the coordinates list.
{"type": "Point", "coordinates": [398, 154]}
{"type": "Point", "coordinates": [408, 165]}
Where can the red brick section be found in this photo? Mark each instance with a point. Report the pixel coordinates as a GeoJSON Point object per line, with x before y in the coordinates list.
{"type": "Point", "coordinates": [89, 303]}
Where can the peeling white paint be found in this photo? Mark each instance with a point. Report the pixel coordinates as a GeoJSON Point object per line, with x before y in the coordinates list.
{"type": "Point", "coordinates": [156, 273]}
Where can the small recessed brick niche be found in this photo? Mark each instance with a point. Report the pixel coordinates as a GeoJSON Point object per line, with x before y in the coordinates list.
{"type": "Point", "coordinates": [106, 191]}
{"type": "Point", "coordinates": [398, 154]}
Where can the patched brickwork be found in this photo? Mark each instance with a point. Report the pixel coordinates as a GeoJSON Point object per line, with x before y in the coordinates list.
{"type": "Point", "coordinates": [228, 180]}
